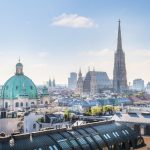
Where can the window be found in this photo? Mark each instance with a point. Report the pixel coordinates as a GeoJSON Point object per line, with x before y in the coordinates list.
{"type": "Point", "coordinates": [97, 138]}
{"type": "Point", "coordinates": [74, 143]}
{"type": "Point", "coordinates": [89, 139]}
{"type": "Point", "coordinates": [108, 136]}
{"type": "Point", "coordinates": [55, 148]}
{"type": "Point", "coordinates": [21, 104]}
{"type": "Point", "coordinates": [126, 131]}
{"type": "Point", "coordinates": [117, 134]}
{"type": "Point", "coordinates": [82, 141]}
{"type": "Point", "coordinates": [64, 144]}
{"type": "Point", "coordinates": [32, 103]}
{"type": "Point", "coordinates": [17, 104]}
{"type": "Point", "coordinates": [6, 104]}
{"type": "Point", "coordinates": [31, 87]}
{"type": "Point", "coordinates": [50, 147]}
{"type": "Point", "coordinates": [16, 87]}
{"type": "Point", "coordinates": [123, 132]}
{"type": "Point", "coordinates": [114, 134]}
{"type": "Point", "coordinates": [105, 136]}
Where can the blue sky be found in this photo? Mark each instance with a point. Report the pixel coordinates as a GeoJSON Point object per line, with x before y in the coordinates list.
{"type": "Point", "coordinates": [55, 37]}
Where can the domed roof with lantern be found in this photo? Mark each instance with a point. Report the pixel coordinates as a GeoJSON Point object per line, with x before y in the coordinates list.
{"type": "Point", "coordinates": [19, 85]}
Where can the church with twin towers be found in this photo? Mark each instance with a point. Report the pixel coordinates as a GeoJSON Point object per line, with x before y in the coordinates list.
{"type": "Point", "coordinates": [95, 81]}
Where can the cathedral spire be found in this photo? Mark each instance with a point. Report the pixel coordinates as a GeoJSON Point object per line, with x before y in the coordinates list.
{"type": "Point", "coordinates": [119, 73]}
{"type": "Point", "coordinates": [119, 40]}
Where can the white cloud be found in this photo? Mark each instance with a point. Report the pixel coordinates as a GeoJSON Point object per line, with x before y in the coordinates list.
{"type": "Point", "coordinates": [73, 21]}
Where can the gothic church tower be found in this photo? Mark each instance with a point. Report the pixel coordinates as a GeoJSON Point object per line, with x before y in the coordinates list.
{"type": "Point", "coordinates": [119, 72]}
{"type": "Point", "coordinates": [80, 83]}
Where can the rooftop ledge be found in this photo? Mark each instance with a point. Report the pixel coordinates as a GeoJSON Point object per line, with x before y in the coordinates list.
{"type": "Point", "coordinates": [40, 133]}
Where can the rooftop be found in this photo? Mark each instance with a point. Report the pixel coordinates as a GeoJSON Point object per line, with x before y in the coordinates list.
{"type": "Point", "coordinates": [91, 136]}
{"type": "Point", "coordinates": [132, 117]}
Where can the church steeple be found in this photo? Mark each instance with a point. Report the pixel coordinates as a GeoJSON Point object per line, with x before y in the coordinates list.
{"type": "Point", "coordinates": [119, 40]}
{"type": "Point", "coordinates": [119, 73]}
{"type": "Point", "coordinates": [80, 83]}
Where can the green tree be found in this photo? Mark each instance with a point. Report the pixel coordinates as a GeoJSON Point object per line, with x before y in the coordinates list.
{"type": "Point", "coordinates": [96, 110]}
{"type": "Point", "coordinates": [67, 114]}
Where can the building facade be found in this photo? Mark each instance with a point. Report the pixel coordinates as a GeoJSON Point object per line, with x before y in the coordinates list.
{"type": "Point", "coordinates": [119, 72]}
{"type": "Point", "coordinates": [148, 88]}
{"type": "Point", "coordinates": [138, 85]}
{"type": "Point", "coordinates": [93, 83]}
{"type": "Point", "coordinates": [72, 81]}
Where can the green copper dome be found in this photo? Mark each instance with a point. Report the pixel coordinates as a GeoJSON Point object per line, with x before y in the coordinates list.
{"type": "Point", "coordinates": [19, 85]}
{"type": "Point", "coordinates": [19, 64]}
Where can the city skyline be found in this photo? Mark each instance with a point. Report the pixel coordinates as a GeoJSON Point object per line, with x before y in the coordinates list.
{"type": "Point", "coordinates": [53, 38]}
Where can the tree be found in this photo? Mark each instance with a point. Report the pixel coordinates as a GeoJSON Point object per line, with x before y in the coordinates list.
{"type": "Point", "coordinates": [67, 114]}
{"type": "Point", "coordinates": [96, 110]}
{"type": "Point", "coordinates": [88, 112]}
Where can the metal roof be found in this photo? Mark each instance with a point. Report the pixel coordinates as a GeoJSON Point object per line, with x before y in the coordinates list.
{"type": "Point", "coordinates": [141, 118]}
{"type": "Point", "coordinates": [93, 136]}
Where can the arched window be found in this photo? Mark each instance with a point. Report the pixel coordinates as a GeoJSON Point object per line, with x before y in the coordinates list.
{"type": "Point", "coordinates": [32, 103]}
{"type": "Point", "coordinates": [21, 104]}
{"type": "Point", "coordinates": [31, 87]}
{"type": "Point", "coordinates": [16, 87]}
{"type": "Point", "coordinates": [6, 104]}
{"type": "Point", "coordinates": [17, 104]}
{"type": "Point", "coordinates": [26, 103]}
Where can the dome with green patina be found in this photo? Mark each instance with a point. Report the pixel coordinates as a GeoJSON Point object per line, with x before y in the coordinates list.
{"type": "Point", "coordinates": [19, 65]}
{"type": "Point", "coordinates": [19, 85]}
